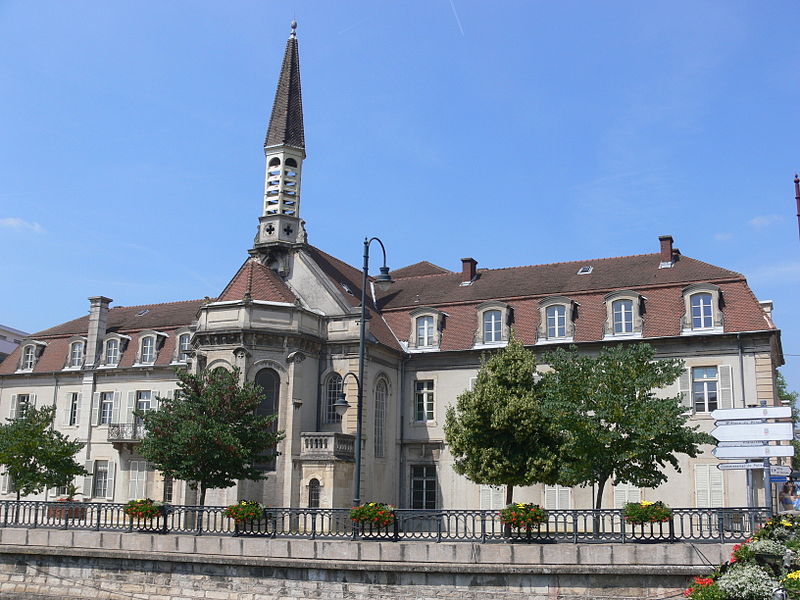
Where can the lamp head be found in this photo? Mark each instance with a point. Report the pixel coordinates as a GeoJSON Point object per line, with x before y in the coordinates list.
{"type": "Point", "coordinates": [384, 280]}
{"type": "Point", "coordinates": [341, 405]}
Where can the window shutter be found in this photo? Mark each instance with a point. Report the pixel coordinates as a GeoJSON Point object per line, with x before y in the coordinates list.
{"type": "Point", "coordinates": [115, 408]}
{"type": "Point", "coordinates": [701, 486]}
{"type": "Point", "coordinates": [78, 409]}
{"type": "Point", "coordinates": [4, 483]}
{"type": "Point", "coordinates": [486, 497]}
{"type": "Point", "coordinates": [53, 492]}
{"type": "Point", "coordinates": [686, 388]}
{"type": "Point", "coordinates": [472, 381]}
{"type": "Point", "coordinates": [133, 469]}
{"type": "Point", "coordinates": [564, 497]}
{"type": "Point", "coordinates": [112, 467]}
{"type": "Point", "coordinates": [153, 400]}
{"type": "Point", "coordinates": [620, 496]}
{"type": "Point", "coordinates": [725, 387]}
{"type": "Point", "coordinates": [716, 491]}
{"type": "Point", "coordinates": [32, 400]}
{"type": "Point", "coordinates": [87, 479]}
{"type": "Point", "coordinates": [66, 410]}
{"type": "Point", "coordinates": [96, 408]}
{"type": "Point", "coordinates": [12, 411]}
{"type": "Point", "coordinates": [128, 417]}
{"type": "Point", "coordinates": [550, 497]}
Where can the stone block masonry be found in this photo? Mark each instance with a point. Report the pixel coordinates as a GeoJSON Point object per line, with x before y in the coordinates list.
{"type": "Point", "coordinates": [45, 565]}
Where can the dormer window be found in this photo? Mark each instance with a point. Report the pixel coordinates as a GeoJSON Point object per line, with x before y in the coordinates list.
{"type": "Point", "coordinates": [75, 355]}
{"type": "Point", "coordinates": [557, 319]}
{"type": "Point", "coordinates": [493, 323]}
{"type": "Point", "coordinates": [624, 314]}
{"type": "Point", "coordinates": [492, 327]}
{"type": "Point", "coordinates": [112, 352]}
{"type": "Point", "coordinates": [703, 309]}
{"type": "Point", "coordinates": [184, 346]}
{"type": "Point", "coordinates": [426, 329]}
{"type": "Point", "coordinates": [147, 355]}
{"type": "Point", "coordinates": [28, 358]}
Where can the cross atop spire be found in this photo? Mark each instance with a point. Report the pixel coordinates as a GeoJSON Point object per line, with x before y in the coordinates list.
{"type": "Point", "coordinates": [286, 122]}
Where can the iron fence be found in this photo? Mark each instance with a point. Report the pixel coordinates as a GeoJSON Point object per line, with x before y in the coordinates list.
{"type": "Point", "coordinates": [606, 525]}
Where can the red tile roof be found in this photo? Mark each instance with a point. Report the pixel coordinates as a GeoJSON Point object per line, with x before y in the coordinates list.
{"type": "Point", "coordinates": [261, 282]}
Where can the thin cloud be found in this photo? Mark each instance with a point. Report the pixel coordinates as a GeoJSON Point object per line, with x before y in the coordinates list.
{"type": "Point", "coordinates": [788, 272]}
{"type": "Point", "coordinates": [764, 221]}
{"type": "Point", "coordinates": [455, 14]}
{"type": "Point", "coordinates": [723, 237]}
{"type": "Point", "coordinates": [20, 224]}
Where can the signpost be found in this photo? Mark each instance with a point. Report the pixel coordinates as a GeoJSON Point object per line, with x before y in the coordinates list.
{"type": "Point", "coordinates": [780, 470]}
{"type": "Point", "coordinates": [762, 412]}
{"type": "Point", "coordinates": [765, 432]}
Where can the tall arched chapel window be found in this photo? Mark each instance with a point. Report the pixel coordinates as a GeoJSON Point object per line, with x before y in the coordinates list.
{"type": "Point", "coordinates": [333, 387]}
{"type": "Point", "coordinates": [269, 381]}
{"type": "Point", "coordinates": [313, 493]}
{"type": "Point", "coordinates": [381, 396]}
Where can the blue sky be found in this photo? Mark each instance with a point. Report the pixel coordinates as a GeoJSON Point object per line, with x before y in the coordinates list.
{"type": "Point", "coordinates": [516, 132]}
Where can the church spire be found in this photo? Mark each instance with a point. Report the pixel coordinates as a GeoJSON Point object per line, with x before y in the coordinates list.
{"type": "Point", "coordinates": [285, 149]}
{"type": "Point", "coordinates": [286, 122]}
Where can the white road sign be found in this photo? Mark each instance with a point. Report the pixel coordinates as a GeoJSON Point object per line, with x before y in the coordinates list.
{"type": "Point", "coordinates": [753, 452]}
{"type": "Point", "coordinates": [739, 466]}
{"type": "Point", "coordinates": [765, 432]}
{"type": "Point", "coordinates": [780, 470]}
{"type": "Point", "coordinates": [740, 443]}
{"type": "Point", "coordinates": [763, 412]}
{"type": "Point", "coordinates": [738, 422]}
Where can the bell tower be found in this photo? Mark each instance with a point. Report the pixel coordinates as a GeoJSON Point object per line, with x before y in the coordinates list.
{"type": "Point", "coordinates": [280, 226]}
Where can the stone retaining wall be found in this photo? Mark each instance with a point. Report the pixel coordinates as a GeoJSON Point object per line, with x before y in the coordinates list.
{"type": "Point", "coordinates": [45, 564]}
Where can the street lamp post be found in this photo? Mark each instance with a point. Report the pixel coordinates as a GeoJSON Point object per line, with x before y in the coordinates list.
{"type": "Point", "coordinates": [382, 281]}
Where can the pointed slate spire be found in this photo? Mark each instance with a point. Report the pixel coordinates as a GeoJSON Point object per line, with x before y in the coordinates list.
{"type": "Point", "coordinates": [286, 122]}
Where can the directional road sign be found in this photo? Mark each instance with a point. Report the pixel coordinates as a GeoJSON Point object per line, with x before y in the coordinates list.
{"type": "Point", "coordinates": [739, 466]}
{"type": "Point", "coordinates": [753, 452]}
{"type": "Point", "coordinates": [778, 479]}
{"type": "Point", "coordinates": [740, 443]}
{"type": "Point", "coordinates": [780, 470]}
{"type": "Point", "coordinates": [764, 431]}
{"type": "Point", "coordinates": [764, 412]}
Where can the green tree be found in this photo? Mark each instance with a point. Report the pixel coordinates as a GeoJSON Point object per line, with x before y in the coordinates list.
{"type": "Point", "coordinates": [617, 429]}
{"type": "Point", "coordinates": [788, 398]}
{"type": "Point", "coordinates": [34, 455]}
{"type": "Point", "coordinates": [498, 431]}
{"type": "Point", "coordinates": [209, 433]}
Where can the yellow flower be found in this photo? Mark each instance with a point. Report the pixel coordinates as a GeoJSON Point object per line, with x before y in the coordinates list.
{"type": "Point", "coordinates": [793, 575]}
{"type": "Point", "coordinates": [645, 503]}
{"type": "Point", "coordinates": [372, 504]}
{"type": "Point", "coordinates": [786, 523]}
{"type": "Point", "coordinates": [521, 505]}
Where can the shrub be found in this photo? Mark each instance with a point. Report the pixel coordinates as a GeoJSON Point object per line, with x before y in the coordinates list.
{"type": "Point", "coordinates": [246, 510]}
{"type": "Point", "coordinates": [373, 513]}
{"type": "Point", "coordinates": [792, 583]}
{"type": "Point", "coordinates": [780, 527]}
{"type": "Point", "coordinates": [704, 588]}
{"type": "Point", "coordinates": [746, 582]}
{"type": "Point", "coordinates": [646, 512]}
{"type": "Point", "coordinates": [145, 508]}
{"type": "Point", "coordinates": [766, 546]}
{"type": "Point", "coordinates": [523, 516]}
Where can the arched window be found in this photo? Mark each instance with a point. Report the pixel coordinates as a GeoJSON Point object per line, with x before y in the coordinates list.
{"type": "Point", "coordinates": [313, 493]}
{"type": "Point", "coordinates": [492, 326]}
{"type": "Point", "coordinates": [269, 381]}
{"type": "Point", "coordinates": [622, 316]}
{"type": "Point", "coordinates": [112, 352]}
{"type": "Point", "coordinates": [184, 347]}
{"type": "Point", "coordinates": [556, 321]}
{"type": "Point", "coordinates": [28, 358]}
{"type": "Point", "coordinates": [76, 354]}
{"type": "Point", "coordinates": [702, 313]}
{"type": "Point", "coordinates": [274, 162]}
{"type": "Point", "coordinates": [290, 162]}
{"type": "Point", "coordinates": [381, 396]}
{"type": "Point", "coordinates": [333, 387]}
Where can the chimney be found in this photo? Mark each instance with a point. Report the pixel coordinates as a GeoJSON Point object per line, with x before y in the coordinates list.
{"type": "Point", "coordinates": [468, 268]}
{"type": "Point", "coordinates": [98, 318]}
{"type": "Point", "coordinates": [667, 253]}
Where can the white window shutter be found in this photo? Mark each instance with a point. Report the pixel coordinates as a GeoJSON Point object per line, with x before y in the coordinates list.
{"type": "Point", "coordinates": [133, 468]}
{"type": "Point", "coordinates": [78, 409]}
{"type": "Point", "coordinates": [4, 483]}
{"type": "Point", "coordinates": [32, 400]}
{"type": "Point", "coordinates": [498, 497]}
{"type": "Point", "coordinates": [620, 496]}
{"type": "Point", "coordinates": [12, 411]}
{"type": "Point", "coordinates": [486, 497]}
{"type": "Point", "coordinates": [115, 408]}
{"type": "Point", "coordinates": [472, 382]}
{"type": "Point", "coordinates": [112, 467]}
{"type": "Point", "coordinates": [170, 394]}
{"type": "Point", "coordinates": [564, 494]}
{"type": "Point", "coordinates": [153, 400]}
{"type": "Point", "coordinates": [550, 497]}
{"type": "Point", "coordinates": [725, 387]}
{"type": "Point", "coordinates": [701, 486]}
{"type": "Point", "coordinates": [716, 491]}
{"type": "Point", "coordinates": [96, 408]}
{"type": "Point", "coordinates": [686, 388]}
{"type": "Point", "coordinates": [87, 479]}
{"type": "Point", "coordinates": [66, 409]}
{"type": "Point", "coordinates": [128, 418]}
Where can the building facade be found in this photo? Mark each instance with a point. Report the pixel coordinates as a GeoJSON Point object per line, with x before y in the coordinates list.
{"type": "Point", "coordinates": [289, 320]}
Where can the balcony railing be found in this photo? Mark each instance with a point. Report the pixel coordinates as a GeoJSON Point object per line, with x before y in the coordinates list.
{"type": "Point", "coordinates": [125, 432]}
{"type": "Point", "coordinates": [326, 445]}
{"type": "Point", "coordinates": [482, 526]}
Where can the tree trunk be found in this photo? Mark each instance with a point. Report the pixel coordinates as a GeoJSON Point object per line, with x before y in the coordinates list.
{"type": "Point", "coordinates": [202, 494]}
{"type": "Point", "coordinates": [601, 484]}
{"type": "Point", "coordinates": [201, 504]}
{"type": "Point", "coordinates": [509, 494]}
{"type": "Point", "coordinates": [16, 508]}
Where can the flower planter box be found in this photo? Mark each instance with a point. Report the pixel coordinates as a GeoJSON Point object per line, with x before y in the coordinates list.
{"type": "Point", "coordinates": [66, 512]}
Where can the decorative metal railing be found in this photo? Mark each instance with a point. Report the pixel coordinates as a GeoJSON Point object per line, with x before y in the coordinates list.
{"type": "Point", "coordinates": [686, 524]}
{"type": "Point", "coordinates": [125, 432]}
